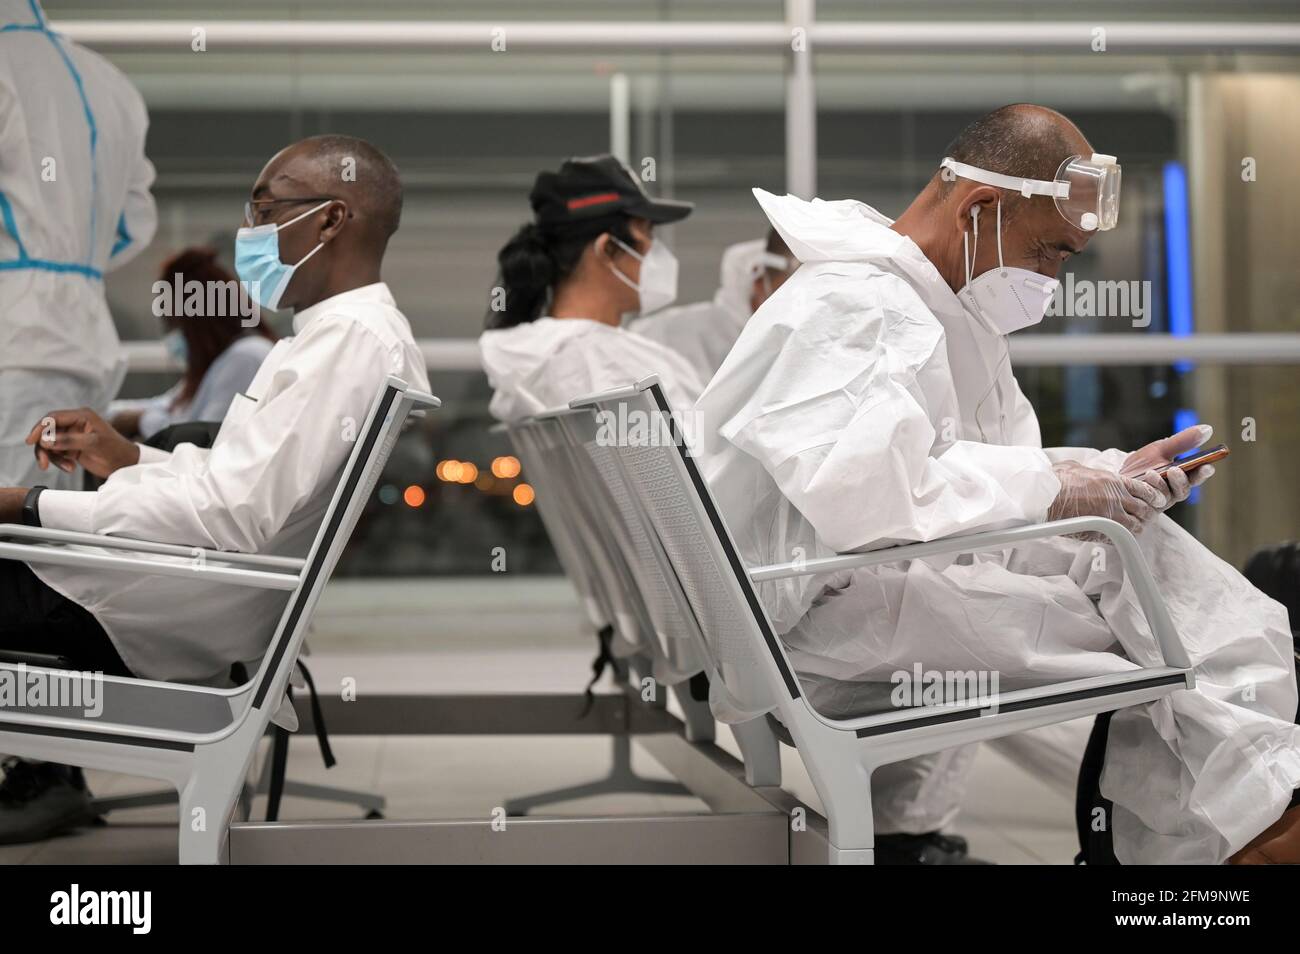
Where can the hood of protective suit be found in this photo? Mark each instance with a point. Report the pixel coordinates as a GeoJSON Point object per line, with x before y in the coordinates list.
{"type": "Point", "coordinates": [846, 230]}
{"type": "Point", "coordinates": [514, 357]}
{"type": "Point", "coordinates": [843, 230]}
{"type": "Point", "coordinates": [736, 276]}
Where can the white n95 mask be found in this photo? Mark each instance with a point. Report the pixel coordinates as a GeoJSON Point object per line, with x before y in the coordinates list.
{"type": "Point", "coordinates": [658, 285]}
{"type": "Point", "coordinates": [1005, 299]}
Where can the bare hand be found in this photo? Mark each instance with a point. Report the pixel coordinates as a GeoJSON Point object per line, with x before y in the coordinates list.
{"type": "Point", "coordinates": [68, 438]}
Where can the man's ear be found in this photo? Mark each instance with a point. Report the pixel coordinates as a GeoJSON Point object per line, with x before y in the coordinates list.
{"type": "Point", "coordinates": [336, 215]}
{"type": "Point", "coordinates": [984, 198]}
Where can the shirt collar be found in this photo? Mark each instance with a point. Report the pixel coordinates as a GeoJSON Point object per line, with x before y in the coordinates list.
{"type": "Point", "coordinates": [375, 293]}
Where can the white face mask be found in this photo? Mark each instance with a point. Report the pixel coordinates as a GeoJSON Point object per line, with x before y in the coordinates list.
{"type": "Point", "coordinates": [658, 286]}
{"type": "Point", "coordinates": [1005, 299]}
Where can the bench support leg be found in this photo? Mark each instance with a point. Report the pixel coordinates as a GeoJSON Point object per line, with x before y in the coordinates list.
{"type": "Point", "coordinates": [621, 779]}
{"type": "Point", "coordinates": [760, 750]}
{"type": "Point", "coordinates": [852, 856]}
{"type": "Point", "coordinates": [700, 726]}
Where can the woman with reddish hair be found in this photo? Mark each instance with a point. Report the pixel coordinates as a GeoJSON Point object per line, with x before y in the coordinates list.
{"type": "Point", "coordinates": [219, 353]}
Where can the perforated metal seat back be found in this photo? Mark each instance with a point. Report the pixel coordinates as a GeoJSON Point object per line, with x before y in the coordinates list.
{"type": "Point", "coordinates": [670, 613]}
{"type": "Point", "coordinates": [589, 522]}
{"type": "Point", "coordinates": [569, 548]}
{"type": "Point", "coordinates": [740, 642]}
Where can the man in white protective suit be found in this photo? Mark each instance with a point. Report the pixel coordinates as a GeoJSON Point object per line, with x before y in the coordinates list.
{"type": "Point", "coordinates": [870, 402]}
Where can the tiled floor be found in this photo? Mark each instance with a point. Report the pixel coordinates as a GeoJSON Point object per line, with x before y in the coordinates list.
{"type": "Point", "coordinates": [1009, 815]}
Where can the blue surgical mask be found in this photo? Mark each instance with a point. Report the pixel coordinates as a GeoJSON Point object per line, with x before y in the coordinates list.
{"type": "Point", "coordinates": [257, 260]}
{"type": "Point", "coordinates": [176, 345]}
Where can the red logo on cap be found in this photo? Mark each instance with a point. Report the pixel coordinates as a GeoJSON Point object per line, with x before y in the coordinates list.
{"type": "Point", "coordinates": [587, 200]}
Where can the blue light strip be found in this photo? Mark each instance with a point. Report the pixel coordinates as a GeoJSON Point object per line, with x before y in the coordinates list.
{"type": "Point", "coordinates": [1183, 419]}
{"type": "Point", "coordinates": [1178, 255]}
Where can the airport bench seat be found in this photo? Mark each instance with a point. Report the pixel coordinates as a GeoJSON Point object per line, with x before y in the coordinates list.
{"type": "Point", "coordinates": [745, 658]}
{"type": "Point", "coordinates": [202, 740]}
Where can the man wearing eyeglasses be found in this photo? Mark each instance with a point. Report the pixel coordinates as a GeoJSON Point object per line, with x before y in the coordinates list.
{"type": "Point", "coordinates": [317, 226]}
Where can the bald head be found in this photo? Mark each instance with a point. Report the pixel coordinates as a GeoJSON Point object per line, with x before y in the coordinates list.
{"type": "Point", "coordinates": [1022, 140]}
{"type": "Point", "coordinates": [347, 168]}
{"type": "Point", "coordinates": [335, 202]}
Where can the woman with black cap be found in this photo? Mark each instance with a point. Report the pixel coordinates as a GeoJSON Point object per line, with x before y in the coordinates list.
{"type": "Point", "coordinates": [566, 281]}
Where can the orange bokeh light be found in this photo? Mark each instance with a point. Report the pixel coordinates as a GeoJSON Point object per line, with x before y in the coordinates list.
{"type": "Point", "coordinates": [505, 467]}
{"type": "Point", "coordinates": [523, 495]}
{"type": "Point", "coordinates": [413, 495]}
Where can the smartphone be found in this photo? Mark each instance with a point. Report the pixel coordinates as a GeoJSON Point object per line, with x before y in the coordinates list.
{"type": "Point", "coordinates": [1206, 455]}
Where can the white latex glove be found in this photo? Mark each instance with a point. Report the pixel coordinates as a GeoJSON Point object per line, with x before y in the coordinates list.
{"type": "Point", "coordinates": [1173, 484]}
{"type": "Point", "coordinates": [1087, 491]}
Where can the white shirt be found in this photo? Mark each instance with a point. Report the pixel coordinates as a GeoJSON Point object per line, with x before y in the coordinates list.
{"type": "Point", "coordinates": [262, 488]}
{"type": "Point", "coordinates": [228, 375]}
{"type": "Point", "coordinates": [70, 212]}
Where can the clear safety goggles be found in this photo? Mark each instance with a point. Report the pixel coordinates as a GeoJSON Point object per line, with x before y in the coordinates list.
{"type": "Point", "coordinates": [766, 262]}
{"type": "Point", "coordinates": [1086, 189]}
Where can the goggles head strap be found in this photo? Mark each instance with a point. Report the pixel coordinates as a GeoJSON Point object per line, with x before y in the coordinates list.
{"type": "Point", "coordinates": [1026, 187]}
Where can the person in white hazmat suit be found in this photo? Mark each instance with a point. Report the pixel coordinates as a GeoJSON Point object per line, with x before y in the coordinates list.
{"type": "Point", "coordinates": [870, 401]}
{"type": "Point", "coordinates": [556, 325]}
{"type": "Point", "coordinates": [566, 279]}
{"type": "Point", "coordinates": [704, 331]}
{"type": "Point", "coordinates": [74, 204]}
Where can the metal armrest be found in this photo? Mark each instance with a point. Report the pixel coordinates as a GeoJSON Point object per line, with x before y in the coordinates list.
{"type": "Point", "coordinates": [46, 535]}
{"type": "Point", "coordinates": [197, 568]}
{"type": "Point", "coordinates": [615, 394]}
{"type": "Point", "coordinates": [422, 397]}
{"type": "Point", "coordinates": [1134, 564]}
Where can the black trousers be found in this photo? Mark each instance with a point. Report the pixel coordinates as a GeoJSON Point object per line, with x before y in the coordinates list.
{"type": "Point", "coordinates": [37, 619]}
{"type": "Point", "coordinates": [1092, 812]}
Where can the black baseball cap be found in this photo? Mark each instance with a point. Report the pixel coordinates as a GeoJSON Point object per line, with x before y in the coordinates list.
{"type": "Point", "coordinates": [588, 191]}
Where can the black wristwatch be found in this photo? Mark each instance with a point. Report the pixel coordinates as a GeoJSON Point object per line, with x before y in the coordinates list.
{"type": "Point", "coordinates": [31, 508]}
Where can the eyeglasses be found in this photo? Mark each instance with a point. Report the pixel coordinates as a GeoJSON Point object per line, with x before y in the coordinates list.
{"type": "Point", "coordinates": [254, 206]}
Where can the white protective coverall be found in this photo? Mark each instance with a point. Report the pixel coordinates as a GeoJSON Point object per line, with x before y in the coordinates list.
{"type": "Point", "coordinates": [544, 364]}
{"type": "Point", "coordinates": [74, 204]}
{"type": "Point", "coordinates": [261, 488]}
{"type": "Point", "coordinates": [863, 406]}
